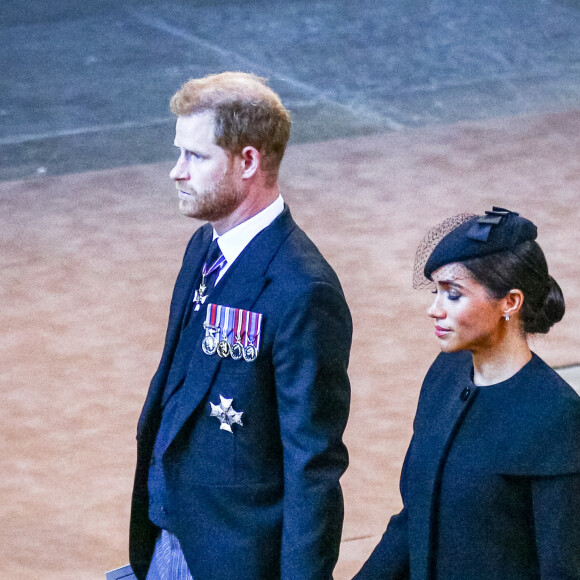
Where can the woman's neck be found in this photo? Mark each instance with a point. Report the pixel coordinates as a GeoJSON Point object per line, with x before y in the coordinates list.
{"type": "Point", "coordinates": [501, 362]}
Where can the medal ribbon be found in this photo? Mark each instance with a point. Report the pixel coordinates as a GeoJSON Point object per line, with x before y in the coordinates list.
{"type": "Point", "coordinates": [200, 295]}
{"type": "Point", "coordinates": [225, 327]}
{"type": "Point", "coordinates": [206, 271]}
{"type": "Point", "coordinates": [253, 324]}
{"type": "Point", "coordinates": [237, 326]}
{"type": "Point", "coordinates": [211, 315]}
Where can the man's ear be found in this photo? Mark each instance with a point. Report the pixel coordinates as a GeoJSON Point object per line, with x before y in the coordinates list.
{"type": "Point", "coordinates": [251, 160]}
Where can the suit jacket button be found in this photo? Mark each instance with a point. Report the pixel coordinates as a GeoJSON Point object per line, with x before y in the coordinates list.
{"type": "Point", "coordinates": [465, 394]}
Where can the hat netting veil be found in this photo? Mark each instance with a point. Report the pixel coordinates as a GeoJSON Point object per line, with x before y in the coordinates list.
{"type": "Point", "coordinates": [428, 244]}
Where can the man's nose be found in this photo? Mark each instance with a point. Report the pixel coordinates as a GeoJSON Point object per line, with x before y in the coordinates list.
{"type": "Point", "coordinates": [180, 171]}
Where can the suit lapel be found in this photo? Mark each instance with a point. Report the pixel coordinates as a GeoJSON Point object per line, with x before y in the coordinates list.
{"type": "Point", "coordinates": [240, 287]}
{"type": "Point", "coordinates": [186, 279]}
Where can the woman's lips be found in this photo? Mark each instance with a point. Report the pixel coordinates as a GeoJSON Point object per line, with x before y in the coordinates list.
{"type": "Point", "coordinates": [440, 331]}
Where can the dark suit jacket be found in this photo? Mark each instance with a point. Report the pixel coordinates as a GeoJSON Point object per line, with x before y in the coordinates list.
{"type": "Point", "coordinates": [264, 502]}
{"type": "Point", "coordinates": [491, 480]}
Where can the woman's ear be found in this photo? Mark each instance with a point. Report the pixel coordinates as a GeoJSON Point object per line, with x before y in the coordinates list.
{"type": "Point", "coordinates": [512, 303]}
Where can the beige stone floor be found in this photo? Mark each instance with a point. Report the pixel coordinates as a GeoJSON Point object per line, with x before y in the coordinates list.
{"type": "Point", "coordinates": [88, 265]}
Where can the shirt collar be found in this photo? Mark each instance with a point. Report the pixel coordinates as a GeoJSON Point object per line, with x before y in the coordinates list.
{"type": "Point", "coordinates": [233, 242]}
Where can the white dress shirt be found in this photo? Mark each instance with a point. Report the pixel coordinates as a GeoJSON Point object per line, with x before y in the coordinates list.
{"type": "Point", "coordinates": [233, 242]}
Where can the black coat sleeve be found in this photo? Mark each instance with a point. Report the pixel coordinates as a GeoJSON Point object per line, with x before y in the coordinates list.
{"type": "Point", "coordinates": [556, 507]}
{"type": "Point", "coordinates": [390, 558]}
{"type": "Point", "coordinates": [310, 358]}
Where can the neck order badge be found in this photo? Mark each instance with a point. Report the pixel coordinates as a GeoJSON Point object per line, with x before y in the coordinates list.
{"type": "Point", "coordinates": [211, 266]}
{"type": "Point", "coordinates": [232, 332]}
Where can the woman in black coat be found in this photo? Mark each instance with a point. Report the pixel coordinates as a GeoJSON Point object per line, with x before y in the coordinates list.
{"type": "Point", "coordinates": [491, 480]}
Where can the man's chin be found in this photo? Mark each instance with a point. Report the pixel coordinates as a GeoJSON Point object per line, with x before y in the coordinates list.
{"type": "Point", "coordinates": [187, 209]}
{"type": "Point", "coordinates": [199, 213]}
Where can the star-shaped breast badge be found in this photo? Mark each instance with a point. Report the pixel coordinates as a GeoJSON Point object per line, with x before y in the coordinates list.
{"type": "Point", "coordinates": [226, 414]}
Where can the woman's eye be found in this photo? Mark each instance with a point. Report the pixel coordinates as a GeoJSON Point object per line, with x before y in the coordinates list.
{"type": "Point", "coordinates": [453, 295]}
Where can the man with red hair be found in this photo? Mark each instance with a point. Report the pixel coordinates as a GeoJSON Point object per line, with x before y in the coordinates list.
{"type": "Point", "coordinates": [240, 440]}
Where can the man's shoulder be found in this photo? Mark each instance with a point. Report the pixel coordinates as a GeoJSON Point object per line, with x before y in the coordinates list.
{"type": "Point", "coordinates": [203, 232]}
{"type": "Point", "coordinates": [200, 238]}
{"type": "Point", "coordinates": [301, 259]}
{"type": "Point", "coordinates": [288, 253]}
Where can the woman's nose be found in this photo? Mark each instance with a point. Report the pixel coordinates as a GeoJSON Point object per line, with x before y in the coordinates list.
{"type": "Point", "coordinates": [435, 310]}
{"type": "Point", "coordinates": [179, 171]}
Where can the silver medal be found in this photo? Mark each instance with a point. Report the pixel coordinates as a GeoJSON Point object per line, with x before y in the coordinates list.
{"type": "Point", "coordinates": [250, 353]}
{"type": "Point", "coordinates": [223, 348]}
{"type": "Point", "coordinates": [236, 349]}
{"type": "Point", "coordinates": [209, 344]}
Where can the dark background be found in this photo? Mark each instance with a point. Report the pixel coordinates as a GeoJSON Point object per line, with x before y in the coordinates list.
{"type": "Point", "coordinates": [85, 85]}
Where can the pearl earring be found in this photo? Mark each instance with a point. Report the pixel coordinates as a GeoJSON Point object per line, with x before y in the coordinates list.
{"type": "Point", "coordinates": [507, 317]}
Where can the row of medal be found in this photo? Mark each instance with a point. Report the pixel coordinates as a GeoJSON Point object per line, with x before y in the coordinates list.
{"type": "Point", "coordinates": [232, 332]}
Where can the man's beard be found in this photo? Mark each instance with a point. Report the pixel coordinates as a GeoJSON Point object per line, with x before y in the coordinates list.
{"type": "Point", "coordinates": [213, 205]}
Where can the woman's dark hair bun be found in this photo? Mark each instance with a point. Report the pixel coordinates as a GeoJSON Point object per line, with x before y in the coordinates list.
{"type": "Point", "coordinates": [551, 311]}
